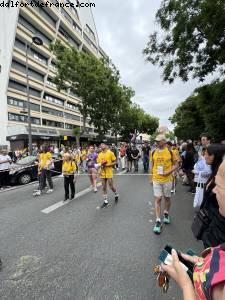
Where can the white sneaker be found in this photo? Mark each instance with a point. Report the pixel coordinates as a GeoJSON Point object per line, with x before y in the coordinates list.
{"type": "Point", "coordinates": [37, 193]}
{"type": "Point", "coordinates": [95, 189]}
{"type": "Point", "coordinates": [49, 191]}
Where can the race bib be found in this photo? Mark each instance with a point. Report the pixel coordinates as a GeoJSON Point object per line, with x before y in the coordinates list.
{"type": "Point", "coordinates": [160, 170]}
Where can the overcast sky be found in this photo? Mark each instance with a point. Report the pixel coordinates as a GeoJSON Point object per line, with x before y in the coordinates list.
{"type": "Point", "coordinates": [123, 29]}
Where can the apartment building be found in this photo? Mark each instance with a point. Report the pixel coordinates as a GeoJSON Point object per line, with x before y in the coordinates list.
{"type": "Point", "coordinates": [53, 114]}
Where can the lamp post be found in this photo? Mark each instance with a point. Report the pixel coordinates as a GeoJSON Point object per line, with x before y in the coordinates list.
{"type": "Point", "coordinates": [37, 41]}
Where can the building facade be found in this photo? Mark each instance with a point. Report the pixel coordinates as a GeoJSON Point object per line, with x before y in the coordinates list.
{"type": "Point", "coordinates": [53, 114]}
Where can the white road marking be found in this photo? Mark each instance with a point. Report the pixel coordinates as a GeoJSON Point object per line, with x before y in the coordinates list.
{"type": "Point", "coordinates": [62, 203]}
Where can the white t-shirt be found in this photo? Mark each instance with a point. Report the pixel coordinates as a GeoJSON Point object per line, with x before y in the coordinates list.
{"type": "Point", "coordinates": [4, 166]}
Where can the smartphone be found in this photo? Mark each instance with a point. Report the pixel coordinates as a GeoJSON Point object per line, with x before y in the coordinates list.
{"type": "Point", "coordinates": [188, 264]}
{"type": "Point", "coordinates": [166, 258]}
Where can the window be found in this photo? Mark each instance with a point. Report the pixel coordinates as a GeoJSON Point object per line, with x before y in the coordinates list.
{"type": "Point", "coordinates": [22, 104]}
{"type": "Point", "coordinates": [51, 111]}
{"type": "Point", "coordinates": [38, 56]}
{"type": "Point", "coordinates": [69, 126]}
{"type": "Point", "coordinates": [17, 86]}
{"type": "Point", "coordinates": [90, 31]}
{"type": "Point", "coordinates": [32, 73]}
{"type": "Point", "coordinates": [49, 82]}
{"type": "Point", "coordinates": [72, 117]}
{"type": "Point", "coordinates": [53, 65]}
{"type": "Point", "coordinates": [66, 15]}
{"type": "Point", "coordinates": [54, 99]}
{"type": "Point", "coordinates": [52, 123]}
{"type": "Point", "coordinates": [42, 11]}
{"type": "Point", "coordinates": [69, 38]}
{"type": "Point", "coordinates": [77, 28]}
{"type": "Point", "coordinates": [35, 92]}
{"type": "Point", "coordinates": [15, 102]}
{"type": "Point", "coordinates": [19, 44]}
{"type": "Point", "coordinates": [72, 106]}
{"type": "Point", "coordinates": [90, 42]}
{"type": "Point", "coordinates": [33, 29]}
{"type": "Point", "coordinates": [22, 118]}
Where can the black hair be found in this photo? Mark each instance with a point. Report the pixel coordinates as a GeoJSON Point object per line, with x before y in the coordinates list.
{"type": "Point", "coordinates": [169, 143]}
{"type": "Point", "coordinates": [209, 138]}
{"type": "Point", "coordinates": [190, 148]}
{"type": "Point", "coordinates": [218, 150]}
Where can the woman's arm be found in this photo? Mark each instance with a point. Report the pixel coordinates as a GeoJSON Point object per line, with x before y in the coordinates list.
{"type": "Point", "coordinates": [177, 272]}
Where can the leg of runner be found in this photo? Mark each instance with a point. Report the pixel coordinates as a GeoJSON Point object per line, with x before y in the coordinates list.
{"type": "Point", "coordinates": [90, 177]}
{"type": "Point", "coordinates": [104, 189]}
{"type": "Point", "coordinates": [66, 187]}
{"type": "Point", "coordinates": [94, 179]}
{"type": "Point", "coordinates": [167, 195]}
{"type": "Point", "coordinates": [158, 193]}
{"type": "Point", "coordinates": [72, 186]}
{"type": "Point", "coordinates": [50, 182]}
{"type": "Point", "coordinates": [111, 185]}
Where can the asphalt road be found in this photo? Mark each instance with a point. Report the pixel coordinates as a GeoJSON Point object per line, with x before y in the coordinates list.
{"type": "Point", "coordinates": [79, 252]}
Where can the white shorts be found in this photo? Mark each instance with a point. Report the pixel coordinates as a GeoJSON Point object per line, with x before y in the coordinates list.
{"type": "Point", "coordinates": [162, 189]}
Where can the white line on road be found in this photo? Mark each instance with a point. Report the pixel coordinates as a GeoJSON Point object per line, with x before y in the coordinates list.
{"type": "Point", "coordinates": [62, 203]}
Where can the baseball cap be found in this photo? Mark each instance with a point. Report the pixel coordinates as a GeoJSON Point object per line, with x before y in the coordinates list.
{"type": "Point", "coordinates": [160, 138]}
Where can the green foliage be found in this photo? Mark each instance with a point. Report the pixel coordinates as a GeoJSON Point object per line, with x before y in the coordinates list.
{"type": "Point", "coordinates": [105, 101]}
{"type": "Point", "coordinates": [191, 39]}
{"type": "Point", "coordinates": [134, 119]}
{"type": "Point", "coordinates": [202, 112]}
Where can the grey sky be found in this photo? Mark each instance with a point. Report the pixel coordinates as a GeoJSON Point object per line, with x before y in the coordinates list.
{"type": "Point", "coordinates": [123, 30]}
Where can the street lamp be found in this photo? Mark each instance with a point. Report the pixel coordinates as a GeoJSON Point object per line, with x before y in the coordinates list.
{"type": "Point", "coordinates": [37, 41]}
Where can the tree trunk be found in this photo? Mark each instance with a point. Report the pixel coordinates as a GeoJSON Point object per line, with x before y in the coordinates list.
{"type": "Point", "coordinates": [78, 140]}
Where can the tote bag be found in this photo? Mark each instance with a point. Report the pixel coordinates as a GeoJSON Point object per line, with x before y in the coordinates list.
{"type": "Point", "coordinates": [199, 193]}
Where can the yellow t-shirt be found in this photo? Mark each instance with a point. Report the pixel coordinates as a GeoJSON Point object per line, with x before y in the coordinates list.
{"type": "Point", "coordinates": [77, 158]}
{"type": "Point", "coordinates": [68, 167]}
{"type": "Point", "coordinates": [109, 157]}
{"type": "Point", "coordinates": [162, 163]}
{"type": "Point", "coordinates": [176, 154]}
{"type": "Point", "coordinates": [44, 160]}
{"type": "Point", "coordinates": [83, 154]}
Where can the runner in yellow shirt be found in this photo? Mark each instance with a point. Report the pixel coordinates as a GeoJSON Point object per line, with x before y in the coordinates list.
{"type": "Point", "coordinates": [163, 164]}
{"type": "Point", "coordinates": [106, 160]}
{"type": "Point", "coordinates": [68, 170]}
{"type": "Point", "coordinates": [45, 164]}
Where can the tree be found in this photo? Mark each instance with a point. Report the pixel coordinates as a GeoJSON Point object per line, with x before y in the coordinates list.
{"type": "Point", "coordinates": [192, 39]}
{"type": "Point", "coordinates": [135, 121]}
{"type": "Point", "coordinates": [93, 80]}
{"type": "Point", "coordinates": [202, 112]}
{"type": "Point", "coordinates": [188, 120]}
{"type": "Point", "coordinates": [211, 103]}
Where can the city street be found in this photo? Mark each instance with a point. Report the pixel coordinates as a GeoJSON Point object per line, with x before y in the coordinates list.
{"type": "Point", "coordinates": [75, 251]}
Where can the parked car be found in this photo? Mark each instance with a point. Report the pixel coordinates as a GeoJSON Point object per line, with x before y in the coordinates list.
{"type": "Point", "coordinates": [26, 170]}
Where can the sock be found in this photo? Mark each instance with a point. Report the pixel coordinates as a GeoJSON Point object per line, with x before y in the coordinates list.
{"type": "Point", "coordinates": [158, 220]}
{"type": "Point", "coordinates": [166, 212]}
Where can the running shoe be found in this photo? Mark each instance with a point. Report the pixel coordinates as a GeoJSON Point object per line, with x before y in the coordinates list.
{"type": "Point", "coordinates": [37, 193]}
{"type": "Point", "coordinates": [166, 219]}
{"type": "Point", "coordinates": [104, 204]}
{"type": "Point", "coordinates": [116, 198]}
{"type": "Point", "coordinates": [95, 189]}
{"type": "Point", "coordinates": [157, 228]}
{"type": "Point", "coordinates": [49, 191]}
